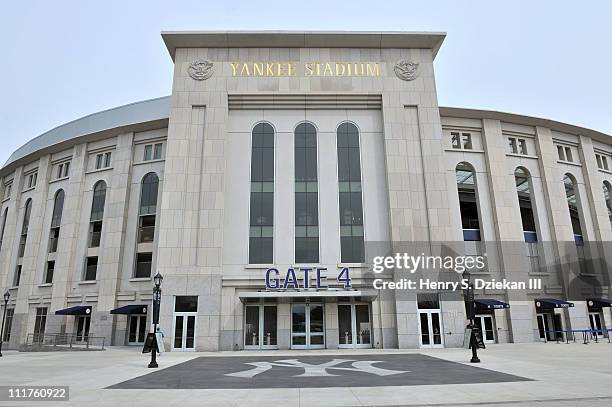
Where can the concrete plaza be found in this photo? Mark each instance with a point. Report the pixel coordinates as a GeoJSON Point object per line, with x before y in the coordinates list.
{"type": "Point", "coordinates": [534, 374]}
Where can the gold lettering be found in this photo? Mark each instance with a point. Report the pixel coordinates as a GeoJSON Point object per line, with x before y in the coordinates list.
{"type": "Point", "coordinates": [269, 69]}
{"type": "Point", "coordinates": [291, 69]}
{"type": "Point", "coordinates": [348, 69]}
{"type": "Point", "coordinates": [328, 69]}
{"type": "Point", "coordinates": [234, 67]}
{"type": "Point", "coordinates": [258, 69]}
{"type": "Point", "coordinates": [279, 69]}
{"type": "Point", "coordinates": [308, 69]}
{"type": "Point", "coordinates": [318, 69]}
{"type": "Point", "coordinates": [245, 70]}
{"type": "Point", "coordinates": [338, 66]}
{"type": "Point", "coordinates": [373, 70]}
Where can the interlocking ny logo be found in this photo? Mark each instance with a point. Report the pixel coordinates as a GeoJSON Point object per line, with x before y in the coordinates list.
{"type": "Point", "coordinates": [310, 370]}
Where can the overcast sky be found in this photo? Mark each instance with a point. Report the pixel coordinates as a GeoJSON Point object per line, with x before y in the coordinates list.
{"type": "Point", "coordinates": [65, 59]}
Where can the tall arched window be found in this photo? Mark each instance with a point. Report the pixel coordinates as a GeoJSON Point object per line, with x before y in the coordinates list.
{"type": "Point", "coordinates": [147, 215]}
{"type": "Point", "coordinates": [350, 201]}
{"type": "Point", "coordinates": [56, 220]}
{"type": "Point", "coordinates": [148, 208]}
{"type": "Point", "coordinates": [572, 205]}
{"type": "Point", "coordinates": [97, 213]}
{"type": "Point", "coordinates": [22, 241]}
{"type": "Point", "coordinates": [24, 227]}
{"type": "Point", "coordinates": [523, 190]}
{"type": "Point", "coordinates": [606, 191]}
{"type": "Point", "coordinates": [4, 215]}
{"type": "Point", "coordinates": [306, 195]}
{"type": "Point", "coordinates": [262, 195]}
{"type": "Point", "coordinates": [468, 201]}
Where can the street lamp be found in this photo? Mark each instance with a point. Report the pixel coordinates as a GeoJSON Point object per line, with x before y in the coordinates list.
{"type": "Point", "coordinates": [471, 309]}
{"type": "Point", "coordinates": [156, 302]}
{"type": "Point", "coordinates": [7, 295]}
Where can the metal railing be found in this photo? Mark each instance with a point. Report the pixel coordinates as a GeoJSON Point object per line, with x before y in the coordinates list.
{"type": "Point", "coordinates": [571, 334]}
{"type": "Point", "coordinates": [65, 341]}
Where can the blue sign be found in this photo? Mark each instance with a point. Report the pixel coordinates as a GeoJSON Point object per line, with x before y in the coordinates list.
{"type": "Point", "coordinates": [300, 278]}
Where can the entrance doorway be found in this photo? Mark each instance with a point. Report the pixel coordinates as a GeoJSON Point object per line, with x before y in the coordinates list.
{"type": "Point", "coordinates": [430, 329]}
{"type": "Point", "coordinates": [486, 324]}
{"type": "Point", "coordinates": [260, 327]}
{"type": "Point", "coordinates": [307, 326]}
{"type": "Point", "coordinates": [184, 329]}
{"type": "Point", "coordinates": [549, 324]}
{"type": "Point", "coordinates": [354, 327]}
{"type": "Point", "coordinates": [137, 329]}
{"type": "Point", "coordinates": [82, 323]}
{"type": "Point", "coordinates": [596, 322]}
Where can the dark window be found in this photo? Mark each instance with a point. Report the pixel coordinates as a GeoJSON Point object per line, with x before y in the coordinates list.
{"type": "Point", "coordinates": [91, 268]}
{"type": "Point", "coordinates": [350, 203]}
{"type": "Point", "coordinates": [39, 324]}
{"type": "Point", "coordinates": [56, 221]}
{"type": "Point", "coordinates": [523, 190]}
{"type": "Point", "coordinates": [572, 205]}
{"type": "Point", "coordinates": [8, 324]}
{"type": "Point", "coordinates": [186, 303]}
{"type": "Point", "coordinates": [99, 198]}
{"type": "Point", "coordinates": [107, 159]}
{"type": "Point", "coordinates": [428, 301]}
{"type": "Point", "coordinates": [606, 191]}
{"type": "Point", "coordinates": [148, 152]}
{"type": "Point", "coordinates": [17, 276]}
{"type": "Point", "coordinates": [262, 195]}
{"type": "Point", "coordinates": [148, 194]}
{"type": "Point", "coordinates": [24, 227]}
{"type": "Point", "coordinates": [157, 151]}
{"type": "Point", "coordinates": [468, 205]}
{"type": "Point", "coordinates": [143, 265]}
{"type": "Point", "coordinates": [3, 226]}
{"type": "Point", "coordinates": [97, 214]}
{"type": "Point", "coordinates": [49, 272]}
{"type": "Point", "coordinates": [306, 195]}
{"type": "Point", "coordinates": [146, 229]}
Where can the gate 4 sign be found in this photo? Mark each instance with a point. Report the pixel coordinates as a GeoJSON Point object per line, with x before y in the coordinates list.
{"type": "Point", "coordinates": [296, 278]}
{"type": "Point", "coordinates": [311, 370]}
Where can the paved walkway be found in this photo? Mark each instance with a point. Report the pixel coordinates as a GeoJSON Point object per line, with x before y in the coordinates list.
{"type": "Point", "coordinates": [509, 375]}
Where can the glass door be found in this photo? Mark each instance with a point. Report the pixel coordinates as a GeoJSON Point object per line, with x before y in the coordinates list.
{"type": "Point", "coordinates": [486, 325]}
{"type": "Point", "coordinates": [183, 338]}
{"type": "Point", "coordinates": [307, 326]}
{"type": "Point", "coordinates": [82, 328]}
{"type": "Point", "coordinates": [596, 323]}
{"type": "Point", "coordinates": [546, 327]}
{"type": "Point", "coordinates": [354, 329]}
{"type": "Point", "coordinates": [430, 328]}
{"type": "Point", "coordinates": [260, 327]}
{"type": "Point", "coordinates": [137, 329]}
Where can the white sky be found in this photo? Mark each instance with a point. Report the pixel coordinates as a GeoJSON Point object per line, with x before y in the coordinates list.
{"type": "Point", "coordinates": [64, 59]}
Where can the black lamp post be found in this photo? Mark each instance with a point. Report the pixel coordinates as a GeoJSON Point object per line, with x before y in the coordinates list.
{"type": "Point", "coordinates": [156, 303]}
{"type": "Point", "coordinates": [471, 309]}
{"type": "Point", "coordinates": [7, 295]}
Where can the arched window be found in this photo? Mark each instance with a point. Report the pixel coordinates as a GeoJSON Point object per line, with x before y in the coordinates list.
{"type": "Point", "coordinates": [572, 205]}
{"type": "Point", "coordinates": [4, 215]}
{"type": "Point", "coordinates": [262, 195]}
{"type": "Point", "coordinates": [148, 208]}
{"type": "Point", "coordinates": [350, 201]}
{"type": "Point", "coordinates": [523, 190]}
{"type": "Point", "coordinates": [24, 227]}
{"type": "Point", "coordinates": [306, 195]}
{"type": "Point", "coordinates": [468, 201]}
{"type": "Point", "coordinates": [97, 213]}
{"type": "Point", "coordinates": [56, 220]}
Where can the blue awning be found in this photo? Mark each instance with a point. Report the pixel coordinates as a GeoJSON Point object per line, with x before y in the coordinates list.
{"type": "Point", "coordinates": [77, 310]}
{"type": "Point", "coordinates": [489, 304]}
{"type": "Point", "coordinates": [599, 303]}
{"type": "Point", "coordinates": [552, 303]}
{"type": "Point", "coordinates": [130, 309]}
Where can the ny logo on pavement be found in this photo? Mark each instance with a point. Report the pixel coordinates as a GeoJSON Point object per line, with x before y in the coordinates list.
{"type": "Point", "coordinates": [312, 370]}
